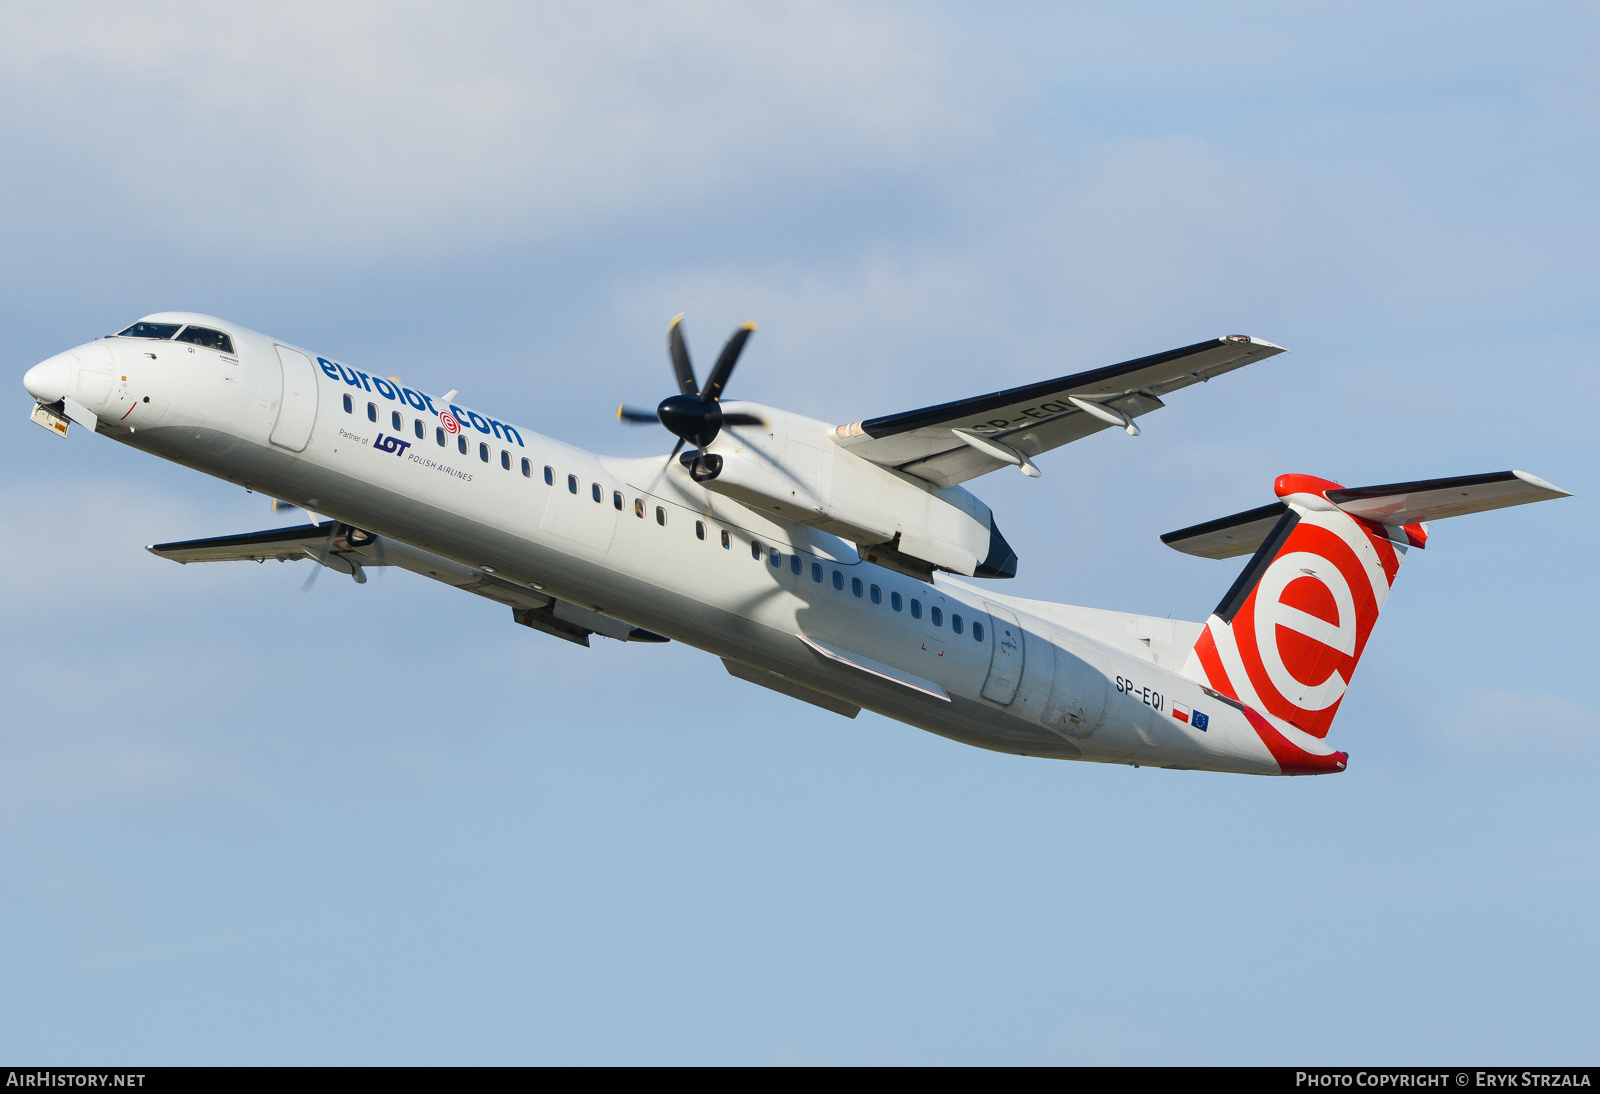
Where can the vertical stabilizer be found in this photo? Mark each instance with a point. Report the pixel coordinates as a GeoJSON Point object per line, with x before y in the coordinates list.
{"type": "Point", "coordinates": [1287, 636]}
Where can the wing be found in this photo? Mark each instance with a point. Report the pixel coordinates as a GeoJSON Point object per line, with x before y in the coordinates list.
{"type": "Point", "coordinates": [352, 550]}
{"type": "Point", "coordinates": [953, 442]}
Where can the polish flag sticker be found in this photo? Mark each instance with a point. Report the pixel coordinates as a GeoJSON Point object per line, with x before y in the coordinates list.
{"type": "Point", "coordinates": [1192, 717]}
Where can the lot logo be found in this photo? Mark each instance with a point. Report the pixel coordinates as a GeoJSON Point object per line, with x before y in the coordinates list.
{"type": "Point", "coordinates": [448, 420]}
{"type": "Point", "coordinates": [391, 444]}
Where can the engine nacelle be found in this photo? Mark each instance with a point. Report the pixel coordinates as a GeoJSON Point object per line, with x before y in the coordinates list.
{"type": "Point", "coordinates": [795, 471]}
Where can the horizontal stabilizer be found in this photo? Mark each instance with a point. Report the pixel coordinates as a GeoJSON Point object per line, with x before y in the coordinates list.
{"type": "Point", "coordinates": [1394, 504]}
{"type": "Point", "coordinates": [1434, 499]}
{"type": "Point", "coordinates": [1226, 537]}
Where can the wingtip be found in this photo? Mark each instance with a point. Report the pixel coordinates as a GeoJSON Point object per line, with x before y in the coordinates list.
{"type": "Point", "coordinates": [676, 319]}
{"type": "Point", "coordinates": [1536, 481]}
{"type": "Point", "coordinates": [749, 325]}
{"type": "Point", "coordinates": [1248, 340]}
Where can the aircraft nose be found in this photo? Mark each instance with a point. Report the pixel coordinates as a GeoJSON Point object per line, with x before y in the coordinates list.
{"type": "Point", "coordinates": [49, 380]}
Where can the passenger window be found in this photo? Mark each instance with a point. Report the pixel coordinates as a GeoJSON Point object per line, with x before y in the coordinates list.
{"type": "Point", "coordinates": [755, 550]}
{"type": "Point", "coordinates": [461, 444]}
{"type": "Point", "coordinates": [638, 508]}
{"type": "Point", "coordinates": [595, 492]}
{"type": "Point", "coordinates": [725, 542]}
{"type": "Point", "coordinates": [916, 608]}
{"type": "Point", "coordinates": [855, 585]}
{"type": "Point", "coordinates": [349, 405]}
{"type": "Point", "coordinates": [877, 594]}
{"type": "Point", "coordinates": [483, 452]}
{"type": "Point", "coordinates": [699, 529]}
{"type": "Point", "coordinates": [549, 476]}
{"type": "Point", "coordinates": [204, 336]}
{"type": "Point", "coordinates": [794, 565]}
{"type": "Point", "coordinates": [955, 623]}
{"type": "Point", "coordinates": [661, 516]}
{"type": "Point", "coordinates": [372, 412]}
{"type": "Point", "coordinates": [438, 435]}
{"type": "Point", "coordinates": [938, 617]}
{"type": "Point", "coordinates": [572, 484]}
{"type": "Point", "coordinates": [895, 601]}
{"type": "Point", "coordinates": [394, 421]}
{"type": "Point", "coordinates": [776, 559]}
{"type": "Point", "coordinates": [416, 427]}
{"type": "Point", "coordinates": [816, 572]}
{"type": "Point", "coordinates": [616, 500]}
{"type": "Point", "coordinates": [527, 468]}
{"type": "Point", "coordinates": [977, 632]}
{"type": "Point", "coordinates": [838, 580]}
{"type": "Point", "coordinates": [505, 459]}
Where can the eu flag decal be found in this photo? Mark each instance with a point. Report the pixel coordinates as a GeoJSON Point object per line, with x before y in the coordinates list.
{"type": "Point", "coordinates": [1198, 720]}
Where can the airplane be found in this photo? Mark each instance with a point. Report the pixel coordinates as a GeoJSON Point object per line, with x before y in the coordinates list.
{"type": "Point", "coordinates": [845, 566]}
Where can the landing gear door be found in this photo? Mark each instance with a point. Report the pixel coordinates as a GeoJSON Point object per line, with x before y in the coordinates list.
{"type": "Point", "coordinates": [297, 410]}
{"type": "Point", "coordinates": [1005, 655]}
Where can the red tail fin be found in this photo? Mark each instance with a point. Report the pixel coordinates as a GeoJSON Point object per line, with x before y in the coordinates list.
{"type": "Point", "coordinates": [1286, 638]}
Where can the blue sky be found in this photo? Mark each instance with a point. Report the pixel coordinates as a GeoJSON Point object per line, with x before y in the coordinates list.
{"type": "Point", "coordinates": [384, 824]}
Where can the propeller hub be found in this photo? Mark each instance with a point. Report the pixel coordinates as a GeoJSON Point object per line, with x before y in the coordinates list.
{"type": "Point", "coordinates": [691, 419]}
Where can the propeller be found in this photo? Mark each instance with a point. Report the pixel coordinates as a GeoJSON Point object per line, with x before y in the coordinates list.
{"type": "Point", "coordinates": [695, 415]}
{"type": "Point", "coordinates": [322, 556]}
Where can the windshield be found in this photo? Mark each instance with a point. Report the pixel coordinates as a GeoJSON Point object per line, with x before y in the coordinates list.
{"type": "Point", "coordinates": [151, 330]}
{"type": "Point", "coordinates": [204, 336]}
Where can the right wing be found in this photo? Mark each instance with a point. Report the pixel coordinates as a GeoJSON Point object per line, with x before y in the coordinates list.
{"type": "Point", "coordinates": [932, 443]}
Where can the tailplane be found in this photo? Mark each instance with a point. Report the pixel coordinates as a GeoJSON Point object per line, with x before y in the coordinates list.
{"type": "Point", "coordinates": [1286, 638]}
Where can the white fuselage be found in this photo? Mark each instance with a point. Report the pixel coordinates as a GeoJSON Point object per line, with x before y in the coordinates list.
{"type": "Point", "coordinates": [1021, 676]}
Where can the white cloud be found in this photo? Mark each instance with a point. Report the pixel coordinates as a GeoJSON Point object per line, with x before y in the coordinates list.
{"type": "Point", "coordinates": [391, 127]}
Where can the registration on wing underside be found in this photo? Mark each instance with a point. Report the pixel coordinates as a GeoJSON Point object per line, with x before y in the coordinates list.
{"type": "Point", "coordinates": [1038, 417]}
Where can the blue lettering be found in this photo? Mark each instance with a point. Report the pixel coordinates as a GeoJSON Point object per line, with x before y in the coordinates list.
{"type": "Point", "coordinates": [364, 379]}
{"type": "Point", "coordinates": [385, 388]}
{"type": "Point", "coordinates": [350, 376]}
{"type": "Point", "coordinates": [512, 434]}
{"type": "Point", "coordinates": [478, 423]}
{"type": "Point", "coordinates": [429, 400]}
{"type": "Point", "coordinates": [413, 398]}
{"type": "Point", "coordinates": [328, 367]}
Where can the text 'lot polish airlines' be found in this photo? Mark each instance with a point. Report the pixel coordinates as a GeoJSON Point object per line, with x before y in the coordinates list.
{"type": "Point", "coordinates": [801, 553]}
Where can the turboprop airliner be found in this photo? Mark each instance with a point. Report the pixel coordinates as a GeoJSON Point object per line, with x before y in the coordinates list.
{"type": "Point", "coordinates": [844, 566]}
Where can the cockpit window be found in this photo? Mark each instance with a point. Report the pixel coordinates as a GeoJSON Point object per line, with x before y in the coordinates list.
{"type": "Point", "coordinates": [204, 336]}
{"type": "Point", "coordinates": [151, 330]}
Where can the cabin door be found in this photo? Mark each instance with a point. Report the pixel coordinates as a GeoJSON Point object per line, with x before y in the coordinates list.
{"type": "Point", "coordinates": [297, 410]}
{"type": "Point", "coordinates": [1005, 655]}
{"type": "Point", "coordinates": [1078, 691]}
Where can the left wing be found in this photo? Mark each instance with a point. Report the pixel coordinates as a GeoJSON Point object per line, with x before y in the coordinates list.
{"type": "Point", "coordinates": [351, 550]}
{"type": "Point", "coordinates": [953, 442]}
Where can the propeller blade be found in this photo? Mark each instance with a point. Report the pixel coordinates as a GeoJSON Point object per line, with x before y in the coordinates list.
{"type": "Point", "coordinates": [666, 466]}
{"type": "Point", "coordinates": [743, 419]}
{"type": "Point", "coordinates": [322, 556]}
{"type": "Point", "coordinates": [634, 416]}
{"type": "Point", "coordinates": [687, 384]}
{"type": "Point", "coordinates": [724, 366]}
